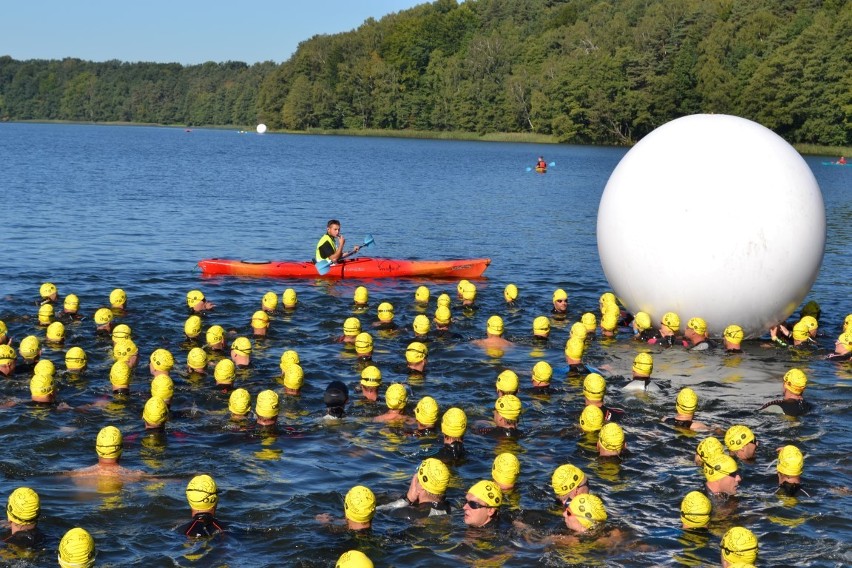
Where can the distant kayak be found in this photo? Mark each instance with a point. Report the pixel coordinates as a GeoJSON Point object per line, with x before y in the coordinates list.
{"type": "Point", "coordinates": [835, 164]}
{"type": "Point", "coordinates": [541, 170]}
{"type": "Point", "coordinates": [355, 268]}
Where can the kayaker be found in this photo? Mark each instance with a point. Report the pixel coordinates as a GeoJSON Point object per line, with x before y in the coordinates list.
{"type": "Point", "coordinates": [541, 164]}
{"type": "Point", "coordinates": [330, 245]}
{"type": "Point", "coordinates": [842, 160]}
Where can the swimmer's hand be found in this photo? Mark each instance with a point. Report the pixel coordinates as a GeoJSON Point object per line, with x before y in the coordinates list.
{"type": "Point", "coordinates": [325, 518]}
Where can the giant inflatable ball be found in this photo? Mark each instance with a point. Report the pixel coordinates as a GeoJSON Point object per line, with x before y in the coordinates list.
{"type": "Point", "coordinates": [713, 216]}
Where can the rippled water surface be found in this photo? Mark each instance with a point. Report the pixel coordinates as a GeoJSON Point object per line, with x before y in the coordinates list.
{"type": "Point", "coordinates": [92, 208]}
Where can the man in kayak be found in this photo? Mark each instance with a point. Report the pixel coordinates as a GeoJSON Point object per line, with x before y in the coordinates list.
{"type": "Point", "coordinates": [541, 164]}
{"type": "Point", "coordinates": [330, 245]}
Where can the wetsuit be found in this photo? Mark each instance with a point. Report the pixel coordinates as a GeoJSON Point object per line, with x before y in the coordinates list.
{"type": "Point", "coordinates": [418, 510]}
{"type": "Point", "coordinates": [451, 454]}
{"type": "Point", "coordinates": [500, 432]}
{"type": "Point", "coordinates": [203, 525]}
{"type": "Point", "coordinates": [838, 357]}
{"type": "Point", "coordinates": [644, 385]}
{"type": "Point", "coordinates": [29, 539]}
{"type": "Point", "coordinates": [700, 346]}
{"type": "Point", "coordinates": [326, 247]}
{"type": "Point", "coordinates": [790, 406]}
{"type": "Point", "coordinates": [791, 489]}
{"type": "Point", "coordinates": [679, 423]}
{"type": "Point", "coordinates": [649, 335]}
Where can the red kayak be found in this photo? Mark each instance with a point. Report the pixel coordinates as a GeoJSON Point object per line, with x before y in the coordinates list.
{"type": "Point", "coordinates": [351, 268]}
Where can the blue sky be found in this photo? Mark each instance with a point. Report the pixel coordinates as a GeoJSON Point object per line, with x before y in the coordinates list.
{"type": "Point", "coordinates": [180, 31]}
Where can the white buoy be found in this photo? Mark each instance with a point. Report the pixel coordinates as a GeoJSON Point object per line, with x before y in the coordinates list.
{"type": "Point", "coordinates": [712, 216]}
{"type": "Point", "coordinates": [261, 128]}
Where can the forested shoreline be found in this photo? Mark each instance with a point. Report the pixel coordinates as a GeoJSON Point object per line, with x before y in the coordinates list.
{"type": "Point", "coordinates": [581, 71]}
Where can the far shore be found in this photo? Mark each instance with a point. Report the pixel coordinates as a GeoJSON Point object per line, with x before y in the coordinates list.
{"type": "Point", "coordinates": [518, 137]}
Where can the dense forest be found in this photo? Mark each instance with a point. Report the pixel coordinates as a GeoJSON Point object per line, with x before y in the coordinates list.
{"type": "Point", "coordinates": [583, 71]}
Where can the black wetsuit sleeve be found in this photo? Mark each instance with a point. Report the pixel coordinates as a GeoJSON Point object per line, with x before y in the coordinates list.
{"type": "Point", "coordinates": [326, 249]}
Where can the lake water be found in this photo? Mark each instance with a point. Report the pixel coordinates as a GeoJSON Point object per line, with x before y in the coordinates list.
{"type": "Point", "coordinates": [92, 208]}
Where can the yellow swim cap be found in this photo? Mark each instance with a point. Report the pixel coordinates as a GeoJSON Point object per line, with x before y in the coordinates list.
{"type": "Point", "coordinates": [611, 437]}
{"type": "Point", "coordinates": [506, 469]}
{"type": "Point", "coordinates": [811, 309]}
{"type": "Point", "coordinates": [426, 411]}
{"type": "Point", "coordinates": [454, 423]}
{"type": "Point", "coordinates": [109, 443]}
{"type": "Point", "coordinates": [202, 494]}
{"type": "Point", "coordinates": [119, 374]}
{"type": "Point", "coordinates": [215, 334]}
{"type": "Point", "coordinates": [734, 334]}
{"type": "Point", "coordinates": [421, 324]}
{"type": "Point", "coordinates": [288, 298]}
{"type": "Point", "coordinates": [163, 387]}
{"type": "Point", "coordinates": [239, 402]}
{"type": "Point", "coordinates": [224, 372]}
{"type": "Point", "coordinates": [847, 323]}
{"type": "Point", "coordinates": [671, 321]}
{"type": "Point", "coordinates": [709, 447]}
{"type": "Point", "coordinates": [609, 321]}
{"type": "Point", "coordinates": [242, 345]}
{"type": "Point", "coordinates": [738, 436]}
{"type": "Point", "coordinates": [363, 343]}
{"type": "Point", "coordinates": [122, 331]}
{"type": "Point", "coordinates": [269, 300]}
{"type": "Point", "coordinates": [3, 329]}
{"type": "Point", "coordinates": [421, 295]}
{"type": "Point", "coordinates": [642, 320]}
{"type": "Point", "coordinates": [42, 385]}
{"type": "Point", "coordinates": [575, 347]}
{"type": "Point", "coordinates": [361, 296]}
{"type": "Point", "coordinates": [495, 325]}
{"type": "Point", "coordinates": [7, 354]}
{"type": "Point", "coordinates": [800, 331]}
{"type": "Point", "coordinates": [695, 510]}
{"type": "Point", "coordinates": [162, 360]}
{"type": "Point", "coordinates": [697, 325]}
{"type": "Point", "coordinates": [371, 376]}
{"type": "Point", "coordinates": [442, 315]}
{"type": "Point", "coordinates": [351, 327]}
{"type": "Point", "coordinates": [359, 504]}
{"type": "Point", "coordinates": [75, 359]}
{"type": "Point", "coordinates": [591, 419]}
{"type": "Point", "coordinates": [594, 386]}
{"type": "Point", "coordinates": [433, 476]}
{"type": "Point", "coordinates": [45, 314]}
{"type": "Point", "coordinates": [790, 461]}
{"type": "Point", "coordinates": [566, 478]}
{"type": "Point", "coordinates": [56, 332]}
{"type": "Point", "coordinates": [687, 401]}
{"type": "Point", "coordinates": [416, 352]}
{"type": "Point", "coordinates": [267, 404]}
{"type": "Point", "coordinates": [294, 376]}
{"type": "Point", "coordinates": [795, 381]}
{"type": "Point", "coordinates": [124, 349]}
{"type": "Point", "coordinates": [607, 299]}
{"type": "Point", "coordinates": [259, 320]}
{"type": "Point", "coordinates": [541, 325]}
{"type": "Point", "coordinates": [47, 289]}
{"type": "Point", "coordinates": [542, 372]}
{"type": "Point", "coordinates": [469, 292]}
{"type": "Point", "coordinates": [508, 406]}
{"type": "Point", "coordinates": [396, 396]}
{"type": "Point", "coordinates": [193, 297]}
{"type": "Point", "coordinates": [845, 339]}
{"type": "Point", "coordinates": [488, 492]}
{"type": "Point", "coordinates": [353, 559]}
{"type": "Point", "coordinates": [289, 356]}
{"type": "Point", "coordinates": [560, 294]}
{"type": "Point", "coordinates": [29, 347]}
{"type": "Point", "coordinates": [45, 367]}
{"type": "Point", "coordinates": [739, 545]}
{"type": "Point", "coordinates": [385, 312]}
{"type": "Point", "coordinates": [589, 321]}
{"type": "Point", "coordinates": [196, 359]}
{"type": "Point", "coordinates": [643, 364]}
{"type": "Point", "coordinates": [589, 509]}
{"type": "Point", "coordinates": [810, 322]}
{"type": "Point", "coordinates": [719, 466]}
{"type": "Point", "coordinates": [117, 298]}
{"type": "Point", "coordinates": [77, 549]}
{"type": "Point", "coordinates": [155, 412]}
{"type": "Point", "coordinates": [72, 303]}
{"type": "Point", "coordinates": [23, 506]}
{"type": "Point", "coordinates": [461, 285]}
{"type": "Point", "coordinates": [510, 293]}
{"type": "Point", "coordinates": [443, 300]}
{"type": "Point", "coordinates": [507, 382]}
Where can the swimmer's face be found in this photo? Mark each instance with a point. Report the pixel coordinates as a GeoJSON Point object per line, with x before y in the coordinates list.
{"type": "Point", "coordinates": [477, 515]}
{"type": "Point", "coordinates": [747, 451]}
{"type": "Point", "coordinates": [572, 522]}
{"type": "Point", "coordinates": [729, 484]}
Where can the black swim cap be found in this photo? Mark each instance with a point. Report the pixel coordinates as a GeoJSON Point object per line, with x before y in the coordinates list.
{"type": "Point", "coordinates": [336, 394]}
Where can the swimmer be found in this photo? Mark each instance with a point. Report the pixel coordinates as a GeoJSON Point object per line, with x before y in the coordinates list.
{"type": "Point", "coordinates": [426, 491]}
{"type": "Point", "coordinates": [160, 362]}
{"type": "Point", "coordinates": [103, 321]}
{"type": "Point", "coordinates": [294, 379]}
{"type": "Point", "coordinates": [482, 503]}
{"type": "Point", "coordinates": [269, 302]}
{"type": "Point", "coordinates": [361, 297]}
{"type": "Point", "coordinates": [541, 329]}
{"type": "Point", "coordinates": [575, 348]}
{"type": "Point", "coordinates": [507, 383]}
{"type": "Point", "coordinates": [22, 511]}
{"type": "Point", "coordinates": [507, 411]}
{"type": "Point", "coordinates": [453, 428]}
{"type": "Point", "coordinates": [49, 294]}
{"type": "Point", "coordinates": [842, 347]}
{"type": "Point", "coordinates": [739, 547]}
{"type": "Point", "coordinates": [462, 284]}
{"type": "Point", "coordinates": [720, 473]}
{"type": "Point", "coordinates": [591, 419]}
{"type": "Point", "coordinates": [77, 549]}
{"type": "Point", "coordinates": [468, 294]}
{"type": "Point", "coordinates": [421, 295]}
{"type": "Point", "coordinates": [45, 315]}
{"type": "Point", "coordinates": [364, 346]}
{"type": "Point", "coordinates": [8, 360]}
{"type": "Point", "coordinates": [127, 351]}
{"type": "Point", "coordinates": [335, 397]}
{"type": "Point", "coordinates": [643, 366]}
{"type": "Point", "coordinates": [669, 326]}
{"type": "Point", "coordinates": [289, 299]}
{"type": "Point", "coordinates": [685, 407]}
{"type": "Point", "coordinates": [741, 442]}
{"type": "Point", "coordinates": [695, 510]}
{"type": "Point", "coordinates": [43, 389]}
{"type": "Point", "coordinates": [385, 317]}
{"type": "Point", "coordinates": [643, 330]}
{"type": "Point", "coordinates": [426, 415]}
{"type": "Point", "coordinates": [611, 441]}
{"type": "Point", "coordinates": [55, 334]}
{"type": "Point", "coordinates": [29, 350]}
{"type": "Point", "coordinates": [119, 378]}
{"type": "Point", "coordinates": [75, 360]}
{"type": "Point", "coordinates": [567, 482]}
{"type": "Point", "coordinates": [354, 559]}
{"type": "Point", "coordinates": [259, 323]}
{"type": "Point", "coordinates": [802, 334]}
{"type": "Point", "coordinates": [223, 375]}
{"type": "Point", "coordinates": [790, 465]}
{"type": "Point", "coordinates": [510, 294]}
{"type": "Point", "coordinates": [396, 397]}
{"type": "Point", "coordinates": [351, 329]}
{"type": "Point", "coordinates": [215, 338]}
{"type": "Point", "coordinates": [163, 388]}
{"type": "Point", "coordinates": [121, 331]}
{"type": "Point", "coordinates": [70, 308]}
{"type": "Point", "coordinates": [541, 374]}
{"type": "Point", "coordinates": [421, 326]}
{"type": "Point", "coordinates": [241, 352]}
{"type": "Point", "coordinates": [266, 409]}
{"type": "Point", "coordinates": [792, 402]}
{"type": "Point", "coordinates": [594, 389]}
{"type": "Point", "coordinates": [609, 323]}
{"type": "Point", "coordinates": [108, 446]}
{"type": "Point", "coordinates": [196, 302]}
{"type": "Point", "coordinates": [239, 405]}
{"type": "Point", "coordinates": [733, 338]}
{"type": "Point", "coordinates": [442, 318]}
{"type": "Point", "coordinates": [118, 299]}
{"type": "Point", "coordinates": [155, 414]}
{"type": "Point", "coordinates": [707, 448]}
{"type": "Point", "coordinates": [695, 336]}
{"type": "Point", "coordinates": [559, 312]}
{"type": "Point", "coordinates": [202, 494]}
{"type": "Point", "coordinates": [505, 471]}
{"type": "Point", "coordinates": [584, 513]}
{"type": "Point", "coordinates": [196, 361]}
{"type": "Point", "coordinates": [371, 380]}
{"type": "Point", "coordinates": [415, 356]}
{"type": "Point", "coordinates": [590, 322]}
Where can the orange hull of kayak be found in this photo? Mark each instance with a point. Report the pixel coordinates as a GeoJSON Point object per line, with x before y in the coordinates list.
{"type": "Point", "coordinates": [353, 268]}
